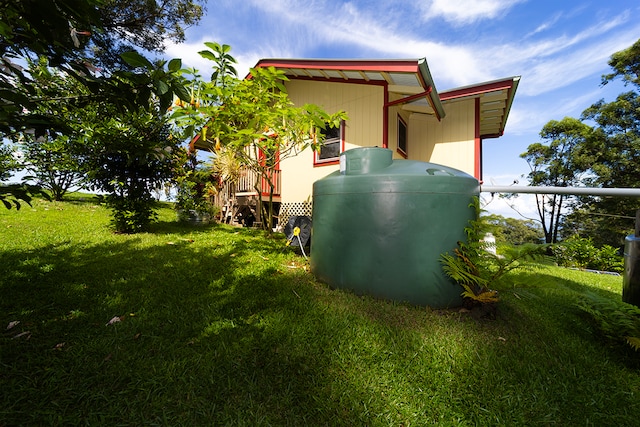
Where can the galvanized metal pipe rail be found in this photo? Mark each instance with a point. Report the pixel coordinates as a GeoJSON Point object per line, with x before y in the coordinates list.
{"type": "Point", "coordinates": [576, 191]}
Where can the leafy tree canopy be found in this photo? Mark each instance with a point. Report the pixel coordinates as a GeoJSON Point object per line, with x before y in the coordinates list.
{"type": "Point", "coordinates": [78, 36]}
{"type": "Point", "coordinates": [606, 154]}
{"type": "Point", "coordinates": [615, 151]}
{"type": "Point", "coordinates": [94, 42]}
{"type": "Point", "coordinates": [513, 231]}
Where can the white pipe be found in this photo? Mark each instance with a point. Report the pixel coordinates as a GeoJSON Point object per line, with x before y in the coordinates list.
{"type": "Point", "coordinates": [582, 191]}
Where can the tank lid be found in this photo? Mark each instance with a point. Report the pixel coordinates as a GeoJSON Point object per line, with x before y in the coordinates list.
{"type": "Point", "coordinates": [364, 160]}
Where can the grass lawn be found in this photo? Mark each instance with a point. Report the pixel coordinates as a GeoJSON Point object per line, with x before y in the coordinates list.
{"type": "Point", "coordinates": [222, 326]}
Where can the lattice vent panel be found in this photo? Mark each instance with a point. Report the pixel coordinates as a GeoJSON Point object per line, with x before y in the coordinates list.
{"type": "Point", "coordinates": [287, 210]}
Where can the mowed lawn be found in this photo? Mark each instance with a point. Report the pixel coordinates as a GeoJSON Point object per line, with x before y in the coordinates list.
{"type": "Point", "coordinates": [218, 325]}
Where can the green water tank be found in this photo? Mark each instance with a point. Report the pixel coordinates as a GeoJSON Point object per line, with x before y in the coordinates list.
{"type": "Point", "coordinates": [380, 226]}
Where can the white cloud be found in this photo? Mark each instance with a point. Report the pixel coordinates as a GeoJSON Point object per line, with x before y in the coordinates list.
{"type": "Point", "coordinates": [545, 25]}
{"type": "Point", "coordinates": [188, 53]}
{"type": "Point", "coordinates": [462, 12]}
{"type": "Point", "coordinates": [522, 206]}
{"type": "Point", "coordinates": [550, 63]}
{"type": "Point", "coordinates": [287, 28]}
{"type": "Point", "coordinates": [561, 60]}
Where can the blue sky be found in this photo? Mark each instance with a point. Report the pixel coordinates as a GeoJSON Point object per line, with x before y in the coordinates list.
{"type": "Point", "coordinates": [560, 48]}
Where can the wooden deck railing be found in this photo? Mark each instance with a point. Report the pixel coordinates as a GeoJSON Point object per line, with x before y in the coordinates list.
{"type": "Point", "coordinates": [248, 178]}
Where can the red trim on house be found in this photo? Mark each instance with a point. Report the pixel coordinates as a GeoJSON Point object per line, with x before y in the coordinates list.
{"type": "Point", "coordinates": [477, 89]}
{"type": "Point", "coordinates": [477, 149]}
{"type": "Point", "coordinates": [409, 98]}
{"type": "Point", "coordinates": [385, 118]}
{"type": "Point", "coordinates": [391, 65]}
{"type": "Point", "coordinates": [326, 163]}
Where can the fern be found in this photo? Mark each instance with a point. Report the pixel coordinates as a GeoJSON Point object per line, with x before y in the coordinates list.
{"type": "Point", "coordinates": [616, 320]}
{"type": "Point", "coordinates": [634, 342]}
{"type": "Point", "coordinates": [475, 268]}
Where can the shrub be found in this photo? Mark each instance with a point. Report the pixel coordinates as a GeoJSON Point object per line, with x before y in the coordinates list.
{"type": "Point", "coordinates": [580, 252]}
{"type": "Point", "coordinates": [131, 215]}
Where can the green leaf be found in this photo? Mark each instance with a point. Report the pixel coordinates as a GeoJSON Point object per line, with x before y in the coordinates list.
{"type": "Point", "coordinates": [136, 60]}
{"type": "Point", "coordinates": [181, 91]}
{"type": "Point", "coordinates": [207, 54]}
{"type": "Point", "coordinates": [161, 87]}
{"type": "Point", "coordinates": [213, 46]}
{"type": "Point", "coordinates": [174, 65]}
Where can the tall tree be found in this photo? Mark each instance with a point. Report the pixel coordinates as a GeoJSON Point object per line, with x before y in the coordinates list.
{"type": "Point", "coordinates": [616, 150]}
{"type": "Point", "coordinates": [560, 161]}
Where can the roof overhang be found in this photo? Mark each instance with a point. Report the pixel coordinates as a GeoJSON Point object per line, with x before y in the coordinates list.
{"type": "Point", "coordinates": [409, 85]}
{"type": "Point", "coordinates": [495, 99]}
{"type": "Point", "coordinates": [408, 81]}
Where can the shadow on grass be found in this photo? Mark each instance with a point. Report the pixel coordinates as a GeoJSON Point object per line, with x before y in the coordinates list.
{"type": "Point", "coordinates": [214, 328]}
{"type": "Point", "coordinates": [180, 333]}
{"type": "Point", "coordinates": [555, 298]}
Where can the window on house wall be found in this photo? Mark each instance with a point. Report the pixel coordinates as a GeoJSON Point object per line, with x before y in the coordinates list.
{"type": "Point", "coordinates": [402, 137]}
{"type": "Point", "coordinates": [332, 147]}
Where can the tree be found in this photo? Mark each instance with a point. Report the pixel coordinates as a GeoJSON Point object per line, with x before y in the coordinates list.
{"type": "Point", "coordinates": [147, 25]}
{"type": "Point", "coordinates": [65, 32]}
{"type": "Point", "coordinates": [125, 153]}
{"type": "Point", "coordinates": [52, 156]}
{"type": "Point", "coordinates": [31, 27]}
{"type": "Point", "coordinates": [52, 165]}
{"type": "Point", "coordinates": [513, 231]}
{"type": "Point", "coordinates": [616, 150]}
{"type": "Point", "coordinates": [558, 162]}
{"type": "Point", "coordinates": [8, 162]}
{"type": "Point", "coordinates": [77, 36]}
{"type": "Point", "coordinates": [253, 118]}
{"type": "Point", "coordinates": [128, 156]}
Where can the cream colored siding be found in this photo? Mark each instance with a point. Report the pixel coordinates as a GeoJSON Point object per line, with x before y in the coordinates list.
{"type": "Point", "coordinates": [363, 105]}
{"type": "Point", "coordinates": [449, 142]}
{"type": "Point", "coordinates": [394, 112]}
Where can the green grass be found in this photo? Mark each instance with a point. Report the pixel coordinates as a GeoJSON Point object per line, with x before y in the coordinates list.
{"type": "Point", "coordinates": [221, 326]}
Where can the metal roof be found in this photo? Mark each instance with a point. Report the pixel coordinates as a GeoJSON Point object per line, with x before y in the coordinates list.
{"type": "Point", "coordinates": [410, 85]}
{"type": "Point", "coordinates": [409, 79]}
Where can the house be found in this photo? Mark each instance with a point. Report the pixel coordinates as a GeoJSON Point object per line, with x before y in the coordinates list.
{"type": "Point", "coordinates": [392, 104]}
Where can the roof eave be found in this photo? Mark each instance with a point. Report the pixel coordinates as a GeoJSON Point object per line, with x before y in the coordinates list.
{"type": "Point", "coordinates": [433, 96]}
{"type": "Point", "coordinates": [510, 84]}
{"type": "Point", "coordinates": [512, 95]}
